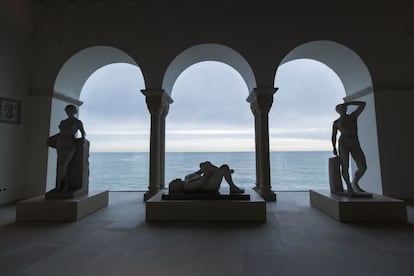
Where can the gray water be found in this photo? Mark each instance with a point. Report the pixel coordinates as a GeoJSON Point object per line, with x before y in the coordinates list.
{"type": "Point", "coordinates": [290, 171]}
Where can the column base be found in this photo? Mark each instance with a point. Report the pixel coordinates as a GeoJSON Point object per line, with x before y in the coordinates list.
{"type": "Point", "coordinates": [149, 194]}
{"type": "Point", "coordinates": [267, 195]}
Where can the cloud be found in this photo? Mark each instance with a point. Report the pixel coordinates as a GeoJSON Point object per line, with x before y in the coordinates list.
{"type": "Point", "coordinates": [210, 112]}
{"type": "Point", "coordinates": [299, 144]}
{"type": "Point", "coordinates": [304, 106]}
{"type": "Point", "coordinates": [210, 94]}
{"type": "Point", "coordinates": [113, 94]}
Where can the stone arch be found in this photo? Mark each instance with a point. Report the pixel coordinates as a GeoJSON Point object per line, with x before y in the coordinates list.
{"type": "Point", "coordinates": [347, 64]}
{"type": "Point", "coordinates": [68, 86]}
{"type": "Point", "coordinates": [77, 69]}
{"type": "Point", "coordinates": [208, 52]}
{"type": "Point", "coordinates": [357, 81]}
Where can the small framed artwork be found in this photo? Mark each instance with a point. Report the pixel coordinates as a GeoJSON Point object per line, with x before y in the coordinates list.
{"type": "Point", "coordinates": [10, 111]}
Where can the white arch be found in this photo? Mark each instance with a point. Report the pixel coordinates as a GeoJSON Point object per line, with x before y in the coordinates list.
{"type": "Point", "coordinates": [77, 69]}
{"type": "Point", "coordinates": [350, 68]}
{"type": "Point", "coordinates": [358, 85]}
{"type": "Point", "coordinates": [208, 52]}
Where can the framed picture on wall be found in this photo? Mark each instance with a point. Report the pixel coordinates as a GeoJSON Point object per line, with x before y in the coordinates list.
{"type": "Point", "coordinates": [10, 111]}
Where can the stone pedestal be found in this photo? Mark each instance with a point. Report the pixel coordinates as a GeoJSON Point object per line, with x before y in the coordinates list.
{"type": "Point", "coordinates": [350, 209]}
{"type": "Point", "coordinates": [51, 210]}
{"type": "Point", "coordinates": [206, 210]}
{"type": "Point", "coordinates": [78, 171]}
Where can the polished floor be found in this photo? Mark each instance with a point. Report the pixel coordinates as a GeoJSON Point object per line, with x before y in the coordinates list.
{"type": "Point", "coordinates": [296, 240]}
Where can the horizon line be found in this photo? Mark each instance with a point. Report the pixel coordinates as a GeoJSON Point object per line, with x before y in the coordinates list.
{"type": "Point", "coordinates": [241, 151]}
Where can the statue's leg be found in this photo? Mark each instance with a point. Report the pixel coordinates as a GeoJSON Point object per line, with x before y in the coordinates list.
{"type": "Point", "coordinates": [344, 156]}
{"type": "Point", "coordinates": [227, 176]}
{"type": "Point", "coordinates": [214, 181]}
{"type": "Point", "coordinates": [65, 155]}
{"type": "Point", "coordinates": [361, 164]}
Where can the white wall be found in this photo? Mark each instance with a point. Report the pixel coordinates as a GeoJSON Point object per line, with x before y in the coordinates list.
{"type": "Point", "coordinates": [36, 154]}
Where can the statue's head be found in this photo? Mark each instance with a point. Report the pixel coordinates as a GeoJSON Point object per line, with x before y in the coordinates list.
{"type": "Point", "coordinates": [176, 186]}
{"type": "Point", "coordinates": [71, 109]}
{"type": "Point", "coordinates": [341, 109]}
{"type": "Point", "coordinates": [204, 166]}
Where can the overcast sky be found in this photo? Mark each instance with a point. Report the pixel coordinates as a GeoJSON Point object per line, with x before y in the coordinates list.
{"type": "Point", "coordinates": [210, 112]}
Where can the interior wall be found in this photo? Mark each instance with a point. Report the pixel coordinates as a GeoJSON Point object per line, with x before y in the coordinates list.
{"type": "Point", "coordinates": [36, 150]}
{"type": "Point", "coordinates": [396, 146]}
{"type": "Point", "coordinates": [14, 70]}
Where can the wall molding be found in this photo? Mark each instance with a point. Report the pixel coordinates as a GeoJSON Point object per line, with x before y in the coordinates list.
{"type": "Point", "coordinates": [359, 94]}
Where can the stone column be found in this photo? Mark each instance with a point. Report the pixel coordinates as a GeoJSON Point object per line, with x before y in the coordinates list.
{"type": "Point", "coordinates": [157, 102]}
{"type": "Point", "coordinates": [162, 146]}
{"type": "Point", "coordinates": [257, 147]}
{"type": "Point", "coordinates": [261, 100]}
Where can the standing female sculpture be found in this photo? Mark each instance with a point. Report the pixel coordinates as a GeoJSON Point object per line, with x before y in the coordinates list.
{"type": "Point", "coordinates": [65, 144]}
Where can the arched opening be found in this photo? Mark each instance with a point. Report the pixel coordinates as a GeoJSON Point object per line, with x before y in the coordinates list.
{"type": "Point", "coordinates": [70, 81]}
{"type": "Point", "coordinates": [229, 80]}
{"type": "Point", "coordinates": [301, 124]}
{"type": "Point", "coordinates": [357, 83]}
{"type": "Point", "coordinates": [208, 52]}
{"type": "Point", "coordinates": [115, 116]}
{"type": "Point", "coordinates": [210, 120]}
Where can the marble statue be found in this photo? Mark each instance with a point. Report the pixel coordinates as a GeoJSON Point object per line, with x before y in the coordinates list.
{"type": "Point", "coordinates": [206, 180]}
{"type": "Point", "coordinates": [72, 172]}
{"type": "Point", "coordinates": [348, 146]}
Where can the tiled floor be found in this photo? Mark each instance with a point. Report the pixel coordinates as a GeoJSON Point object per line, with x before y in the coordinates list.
{"type": "Point", "coordinates": [296, 240]}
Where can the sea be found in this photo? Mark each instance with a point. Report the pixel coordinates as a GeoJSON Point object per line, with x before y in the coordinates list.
{"type": "Point", "coordinates": [290, 171]}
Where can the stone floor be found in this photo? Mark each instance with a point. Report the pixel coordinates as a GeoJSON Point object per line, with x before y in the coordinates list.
{"type": "Point", "coordinates": [296, 240]}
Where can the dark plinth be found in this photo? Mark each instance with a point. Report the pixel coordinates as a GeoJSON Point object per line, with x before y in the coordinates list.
{"type": "Point", "coordinates": [201, 210]}
{"type": "Point", "coordinates": [40, 209]}
{"type": "Point", "coordinates": [351, 209]}
{"type": "Point", "coordinates": [205, 196]}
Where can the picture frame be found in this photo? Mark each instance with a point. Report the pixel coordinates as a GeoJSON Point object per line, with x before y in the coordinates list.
{"type": "Point", "coordinates": [10, 111]}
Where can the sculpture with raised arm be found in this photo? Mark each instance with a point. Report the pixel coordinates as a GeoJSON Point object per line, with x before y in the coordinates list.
{"type": "Point", "coordinates": [206, 180]}
{"type": "Point", "coordinates": [349, 146]}
{"type": "Point", "coordinates": [72, 157]}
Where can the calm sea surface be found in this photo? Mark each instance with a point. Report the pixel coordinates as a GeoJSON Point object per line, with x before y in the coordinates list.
{"type": "Point", "coordinates": [290, 171]}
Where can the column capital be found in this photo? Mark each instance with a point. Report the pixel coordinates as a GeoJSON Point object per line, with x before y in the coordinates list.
{"type": "Point", "coordinates": [157, 100]}
{"type": "Point", "coordinates": [261, 92]}
{"type": "Point", "coordinates": [157, 93]}
{"type": "Point", "coordinates": [262, 99]}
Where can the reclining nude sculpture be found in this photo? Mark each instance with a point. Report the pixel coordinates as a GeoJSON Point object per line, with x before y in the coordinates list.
{"type": "Point", "coordinates": [72, 157]}
{"type": "Point", "coordinates": [348, 145]}
{"type": "Point", "coordinates": [206, 180]}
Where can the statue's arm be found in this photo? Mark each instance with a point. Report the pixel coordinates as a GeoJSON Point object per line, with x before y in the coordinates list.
{"type": "Point", "coordinates": [82, 130]}
{"type": "Point", "coordinates": [360, 107]}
